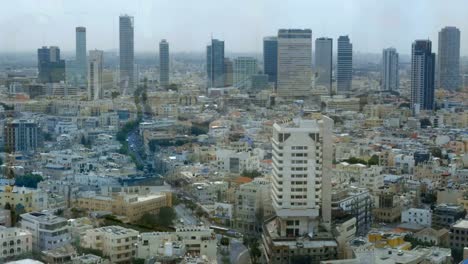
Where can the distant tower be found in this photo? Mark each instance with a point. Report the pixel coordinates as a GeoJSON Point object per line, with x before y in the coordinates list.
{"type": "Point", "coordinates": [164, 63]}
{"type": "Point", "coordinates": [422, 76]}
{"type": "Point", "coordinates": [228, 72]}
{"type": "Point", "coordinates": [51, 68]}
{"type": "Point", "coordinates": [294, 63]}
{"type": "Point", "coordinates": [324, 62]}
{"type": "Point", "coordinates": [95, 89]}
{"type": "Point", "coordinates": [270, 58]}
{"type": "Point", "coordinates": [390, 76]}
{"type": "Point", "coordinates": [215, 63]}
{"type": "Point", "coordinates": [244, 68]}
{"type": "Point", "coordinates": [80, 57]}
{"type": "Point", "coordinates": [344, 74]}
{"type": "Point", "coordinates": [127, 75]}
{"type": "Point", "coordinates": [449, 59]}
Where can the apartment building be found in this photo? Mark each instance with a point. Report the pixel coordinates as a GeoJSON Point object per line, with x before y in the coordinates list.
{"type": "Point", "coordinates": [14, 242]}
{"type": "Point", "coordinates": [48, 231]}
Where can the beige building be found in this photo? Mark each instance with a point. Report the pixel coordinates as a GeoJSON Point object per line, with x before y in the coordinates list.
{"type": "Point", "coordinates": [116, 242]}
{"type": "Point", "coordinates": [132, 206]}
{"type": "Point", "coordinates": [193, 240]}
{"type": "Point", "coordinates": [14, 242]}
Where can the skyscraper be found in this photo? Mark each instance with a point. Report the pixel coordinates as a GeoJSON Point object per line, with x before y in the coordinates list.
{"type": "Point", "coordinates": [51, 68]}
{"type": "Point", "coordinates": [244, 68]}
{"type": "Point", "coordinates": [215, 63]}
{"type": "Point", "coordinates": [390, 76]}
{"type": "Point", "coordinates": [422, 76]}
{"type": "Point", "coordinates": [80, 57]}
{"type": "Point", "coordinates": [344, 73]}
{"type": "Point", "coordinates": [126, 54]}
{"type": "Point", "coordinates": [448, 59]}
{"type": "Point", "coordinates": [95, 89]}
{"type": "Point", "coordinates": [294, 63]}
{"type": "Point", "coordinates": [301, 188]}
{"type": "Point", "coordinates": [324, 63]}
{"type": "Point", "coordinates": [270, 58]}
{"type": "Point", "coordinates": [228, 72]}
{"type": "Point", "coordinates": [164, 63]}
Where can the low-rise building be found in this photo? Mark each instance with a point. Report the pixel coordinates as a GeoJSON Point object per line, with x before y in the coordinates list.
{"type": "Point", "coordinates": [194, 240]}
{"type": "Point", "coordinates": [445, 215]}
{"type": "Point", "coordinates": [417, 216]}
{"type": "Point", "coordinates": [48, 231]}
{"type": "Point", "coordinates": [458, 236]}
{"type": "Point", "coordinates": [116, 242]}
{"type": "Point", "coordinates": [14, 242]}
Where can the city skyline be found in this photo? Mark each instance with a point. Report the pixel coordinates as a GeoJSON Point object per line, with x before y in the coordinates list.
{"type": "Point", "coordinates": [418, 20]}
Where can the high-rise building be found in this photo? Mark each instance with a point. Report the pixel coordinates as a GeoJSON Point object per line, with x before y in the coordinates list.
{"type": "Point", "coordinates": [215, 63]}
{"type": "Point", "coordinates": [228, 72]}
{"type": "Point", "coordinates": [80, 57]}
{"type": "Point", "coordinates": [270, 58]}
{"type": "Point", "coordinates": [294, 63]}
{"type": "Point", "coordinates": [390, 76]}
{"type": "Point", "coordinates": [51, 68]}
{"type": "Point", "coordinates": [324, 63]}
{"type": "Point", "coordinates": [344, 73]}
{"type": "Point", "coordinates": [164, 63]}
{"type": "Point", "coordinates": [21, 135]}
{"type": "Point", "coordinates": [301, 190]}
{"type": "Point", "coordinates": [127, 75]}
{"type": "Point", "coordinates": [422, 76]}
{"type": "Point", "coordinates": [95, 89]}
{"type": "Point", "coordinates": [448, 59]}
{"type": "Point", "coordinates": [244, 68]}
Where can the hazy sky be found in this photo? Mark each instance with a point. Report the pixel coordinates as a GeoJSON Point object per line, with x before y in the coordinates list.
{"type": "Point", "coordinates": [372, 25]}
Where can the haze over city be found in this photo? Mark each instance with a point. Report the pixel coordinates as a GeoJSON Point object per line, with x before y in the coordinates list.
{"type": "Point", "coordinates": [188, 25]}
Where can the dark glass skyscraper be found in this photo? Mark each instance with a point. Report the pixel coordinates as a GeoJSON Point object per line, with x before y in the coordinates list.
{"type": "Point", "coordinates": [215, 63]}
{"type": "Point", "coordinates": [164, 63]}
{"type": "Point", "coordinates": [344, 73]}
{"type": "Point", "coordinates": [448, 59]}
{"type": "Point", "coordinates": [80, 57]}
{"type": "Point", "coordinates": [127, 74]}
{"type": "Point", "coordinates": [270, 58]}
{"type": "Point", "coordinates": [422, 76]}
{"type": "Point", "coordinates": [51, 68]}
{"type": "Point", "coordinates": [324, 63]}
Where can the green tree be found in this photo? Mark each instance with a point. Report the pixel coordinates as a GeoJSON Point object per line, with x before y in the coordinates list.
{"type": "Point", "coordinates": [374, 160]}
{"type": "Point", "coordinates": [28, 180]}
{"type": "Point", "coordinates": [251, 174]}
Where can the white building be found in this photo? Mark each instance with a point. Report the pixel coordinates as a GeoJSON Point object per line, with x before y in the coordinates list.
{"type": "Point", "coordinates": [404, 164]}
{"type": "Point", "coordinates": [14, 242]}
{"type": "Point", "coordinates": [95, 88]}
{"type": "Point", "coordinates": [390, 76]}
{"type": "Point", "coordinates": [294, 63]}
{"type": "Point", "coordinates": [302, 152]}
{"type": "Point", "coordinates": [237, 162]}
{"type": "Point", "coordinates": [48, 231]}
{"type": "Point", "coordinates": [197, 240]}
{"type": "Point", "coordinates": [417, 216]}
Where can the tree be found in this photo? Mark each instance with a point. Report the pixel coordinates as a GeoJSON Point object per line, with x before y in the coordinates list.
{"type": "Point", "coordinates": [251, 174]}
{"type": "Point", "coordinates": [374, 160]}
{"type": "Point", "coordinates": [115, 94]}
{"type": "Point", "coordinates": [164, 218]}
{"type": "Point", "coordinates": [28, 180]}
{"type": "Point", "coordinates": [436, 152]}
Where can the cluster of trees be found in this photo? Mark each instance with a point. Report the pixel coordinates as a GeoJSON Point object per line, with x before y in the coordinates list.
{"type": "Point", "coordinates": [164, 218]}
{"type": "Point", "coordinates": [155, 144]}
{"type": "Point", "coordinates": [28, 180]}
{"type": "Point", "coordinates": [252, 244]}
{"type": "Point", "coordinates": [251, 174]}
{"type": "Point", "coordinates": [374, 160]}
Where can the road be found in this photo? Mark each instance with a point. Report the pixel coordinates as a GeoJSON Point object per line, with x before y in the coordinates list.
{"type": "Point", "coordinates": [185, 214]}
{"type": "Point", "coordinates": [135, 145]}
{"type": "Point", "coordinates": [238, 253]}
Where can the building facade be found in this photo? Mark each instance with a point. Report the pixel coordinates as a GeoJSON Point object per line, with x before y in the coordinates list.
{"type": "Point", "coordinates": [51, 68]}
{"type": "Point", "coordinates": [244, 68]}
{"type": "Point", "coordinates": [270, 58]}
{"type": "Point", "coordinates": [80, 55]}
{"type": "Point", "coordinates": [48, 231]}
{"type": "Point", "coordinates": [294, 63]}
{"type": "Point", "coordinates": [422, 76]}
{"type": "Point", "coordinates": [215, 63]}
{"type": "Point", "coordinates": [21, 135]}
{"type": "Point", "coordinates": [164, 63]}
{"type": "Point", "coordinates": [126, 50]}
{"type": "Point", "coordinates": [14, 242]}
{"type": "Point", "coordinates": [344, 67]}
{"type": "Point", "coordinates": [95, 66]}
{"type": "Point", "coordinates": [417, 216]}
{"type": "Point", "coordinates": [324, 63]}
{"type": "Point", "coordinates": [448, 59]}
{"type": "Point", "coordinates": [390, 76]}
